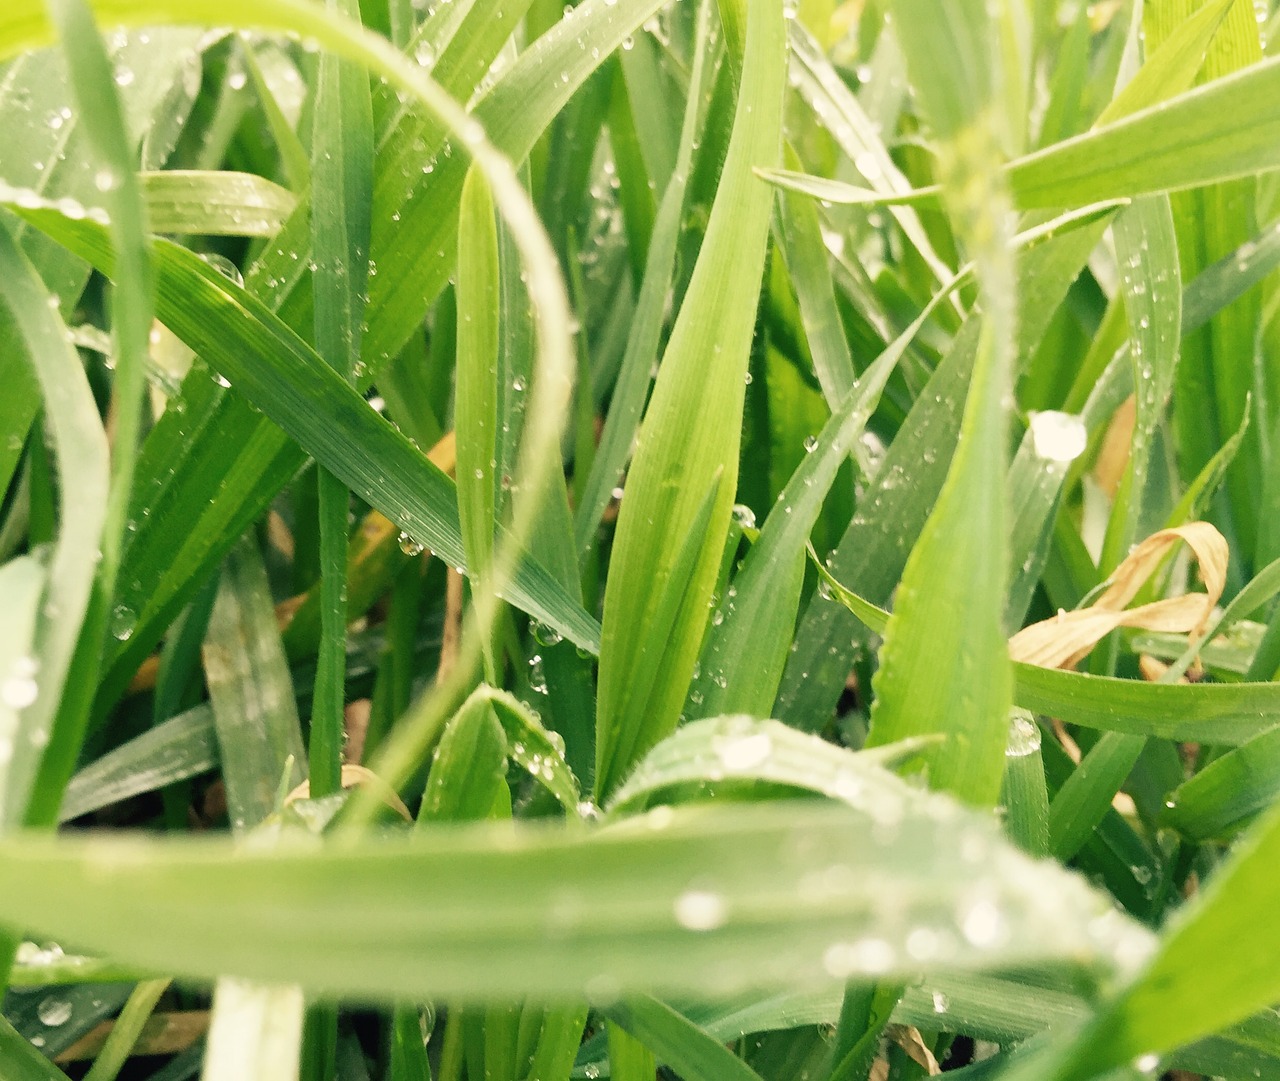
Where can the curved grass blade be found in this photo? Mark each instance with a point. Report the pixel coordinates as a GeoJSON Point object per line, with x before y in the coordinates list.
{"type": "Point", "coordinates": [504, 910]}
{"type": "Point", "coordinates": [80, 449]}
{"type": "Point", "coordinates": [183, 746]}
{"type": "Point", "coordinates": [1213, 133]}
{"type": "Point", "coordinates": [690, 438]}
{"type": "Point", "coordinates": [677, 1042]}
{"type": "Point", "coordinates": [231, 328]}
{"type": "Point", "coordinates": [215, 203]}
{"type": "Point", "coordinates": [738, 754]}
{"type": "Point", "coordinates": [191, 477]}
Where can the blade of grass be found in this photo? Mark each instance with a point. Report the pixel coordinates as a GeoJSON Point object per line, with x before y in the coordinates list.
{"type": "Point", "coordinates": [341, 192]}
{"type": "Point", "coordinates": [899, 498]}
{"type": "Point", "coordinates": [689, 438]}
{"type": "Point", "coordinates": [476, 394]}
{"type": "Point", "coordinates": [80, 447]}
{"type": "Point", "coordinates": [351, 439]}
{"type": "Point", "coordinates": [20, 1057]}
{"type": "Point", "coordinates": [1218, 713]}
{"type": "Point", "coordinates": [463, 911]}
{"type": "Point", "coordinates": [251, 693]}
{"type": "Point", "coordinates": [677, 1042]}
{"type": "Point", "coordinates": [183, 746]}
{"type": "Point", "coordinates": [746, 648]}
{"type": "Point", "coordinates": [1210, 134]}
{"type": "Point", "coordinates": [944, 666]}
{"type": "Point", "coordinates": [215, 203]}
{"type": "Point", "coordinates": [1229, 792]}
{"type": "Point", "coordinates": [1197, 982]}
{"type": "Point", "coordinates": [126, 1030]}
{"type": "Point", "coordinates": [634, 375]}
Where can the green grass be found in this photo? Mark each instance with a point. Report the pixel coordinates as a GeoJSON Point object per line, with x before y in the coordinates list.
{"type": "Point", "coordinates": [618, 442]}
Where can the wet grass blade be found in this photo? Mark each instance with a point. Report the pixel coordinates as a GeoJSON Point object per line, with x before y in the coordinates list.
{"type": "Point", "coordinates": [690, 438]}
{"type": "Point", "coordinates": [461, 911]}
{"type": "Point", "coordinates": [351, 439]}
{"type": "Point", "coordinates": [341, 194]}
{"type": "Point", "coordinates": [251, 693]}
{"type": "Point", "coordinates": [944, 666]}
{"type": "Point", "coordinates": [183, 746]}
{"type": "Point", "coordinates": [215, 203]}
{"type": "Point", "coordinates": [1197, 982]}
{"type": "Point", "coordinates": [80, 449]}
{"type": "Point", "coordinates": [476, 394]}
{"type": "Point", "coordinates": [634, 378]}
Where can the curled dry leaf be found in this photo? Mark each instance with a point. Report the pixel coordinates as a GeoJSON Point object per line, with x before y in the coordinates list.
{"type": "Point", "coordinates": [1062, 641]}
{"type": "Point", "coordinates": [353, 775]}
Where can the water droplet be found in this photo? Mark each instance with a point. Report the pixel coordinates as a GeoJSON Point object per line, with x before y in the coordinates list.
{"type": "Point", "coordinates": [940, 1002]}
{"type": "Point", "coordinates": [123, 621]}
{"type": "Point", "coordinates": [236, 80]}
{"type": "Point", "coordinates": [409, 546]}
{"type": "Point", "coordinates": [54, 1011]}
{"type": "Point", "coordinates": [869, 956]}
{"type": "Point", "coordinates": [744, 752]}
{"type": "Point", "coordinates": [700, 910]}
{"type": "Point", "coordinates": [537, 677]}
{"type": "Point", "coordinates": [1058, 437]}
{"type": "Point", "coordinates": [124, 76]}
{"type": "Point", "coordinates": [20, 689]}
{"type": "Point", "coordinates": [744, 515]}
{"type": "Point", "coordinates": [1024, 735]}
{"type": "Point", "coordinates": [983, 924]}
{"type": "Point", "coordinates": [810, 443]}
{"type": "Point", "coordinates": [1146, 1063]}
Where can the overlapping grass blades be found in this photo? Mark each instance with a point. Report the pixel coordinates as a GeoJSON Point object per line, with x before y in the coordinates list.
{"type": "Point", "coordinates": [957, 445]}
{"type": "Point", "coordinates": [687, 453]}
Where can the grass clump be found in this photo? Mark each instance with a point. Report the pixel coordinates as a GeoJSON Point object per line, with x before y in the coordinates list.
{"type": "Point", "coordinates": [705, 540]}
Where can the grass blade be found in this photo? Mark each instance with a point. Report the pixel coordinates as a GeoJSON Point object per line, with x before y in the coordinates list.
{"type": "Point", "coordinates": [690, 438]}
{"type": "Point", "coordinates": [462, 911]}
{"type": "Point", "coordinates": [80, 447]}
{"type": "Point", "coordinates": [944, 665]}
{"type": "Point", "coordinates": [251, 694]}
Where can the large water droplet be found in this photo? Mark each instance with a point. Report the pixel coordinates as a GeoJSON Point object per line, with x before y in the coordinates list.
{"type": "Point", "coordinates": [744, 752]}
{"type": "Point", "coordinates": [54, 1011]}
{"type": "Point", "coordinates": [700, 910]}
{"type": "Point", "coordinates": [1024, 735]}
{"type": "Point", "coordinates": [123, 621]}
{"type": "Point", "coordinates": [1059, 437]}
